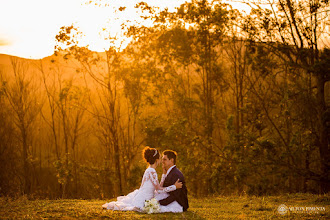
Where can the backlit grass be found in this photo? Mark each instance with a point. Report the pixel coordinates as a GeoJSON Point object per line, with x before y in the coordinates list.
{"type": "Point", "coordinates": [215, 207]}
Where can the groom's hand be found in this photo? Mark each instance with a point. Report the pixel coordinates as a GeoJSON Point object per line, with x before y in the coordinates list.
{"type": "Point", "coordinates": [178, 184]}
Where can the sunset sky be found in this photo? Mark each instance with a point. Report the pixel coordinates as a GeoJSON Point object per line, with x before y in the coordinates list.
{"type": "Point", "coordinates": [28, 27]}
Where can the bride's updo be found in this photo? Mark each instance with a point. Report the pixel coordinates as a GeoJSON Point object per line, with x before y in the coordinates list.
{"type": "Point", "coordinates": [150, 155]}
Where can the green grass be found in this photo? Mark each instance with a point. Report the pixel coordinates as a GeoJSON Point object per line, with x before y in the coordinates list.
{"type": "Point", "coordinates": [215, 207]}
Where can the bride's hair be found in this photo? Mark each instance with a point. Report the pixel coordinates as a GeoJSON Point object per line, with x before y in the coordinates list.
{"type": "Point", "coordinates": [150, 155]}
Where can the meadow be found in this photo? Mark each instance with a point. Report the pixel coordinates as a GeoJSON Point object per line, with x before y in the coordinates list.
{"type": "Point", "coordinates": [214, 207]}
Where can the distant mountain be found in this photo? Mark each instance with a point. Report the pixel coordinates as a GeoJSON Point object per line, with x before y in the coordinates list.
{"type": "Point", "coordinates": [65, 69]}
{"type": "Point", "coordinates": [34, 64]}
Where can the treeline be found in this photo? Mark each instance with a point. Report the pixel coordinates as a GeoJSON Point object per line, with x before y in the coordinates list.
{"type": "Point", "coordinates": [243, 99]}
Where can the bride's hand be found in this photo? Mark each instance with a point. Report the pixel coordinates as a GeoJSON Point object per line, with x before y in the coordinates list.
{"type": "Point", "coordinates": [178, 184]}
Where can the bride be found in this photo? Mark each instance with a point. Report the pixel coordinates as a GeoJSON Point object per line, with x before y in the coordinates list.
{"type": "Point", "coordinates": [150, 188]}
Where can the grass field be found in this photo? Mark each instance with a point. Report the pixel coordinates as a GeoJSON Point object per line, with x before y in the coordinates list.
{"type": "Point", "coordinates": [216, 207]}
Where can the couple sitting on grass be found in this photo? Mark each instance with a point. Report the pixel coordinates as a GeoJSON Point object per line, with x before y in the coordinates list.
{"type": "Point", "coordinates": [170, 195]}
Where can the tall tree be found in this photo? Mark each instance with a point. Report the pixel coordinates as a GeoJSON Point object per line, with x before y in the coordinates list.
{"type": "Point", "coordinates": [294, 30]}
{"type": "Point", "coordinates": [107, 108]}
{"type": "Point", "coordinates": [21, 93]}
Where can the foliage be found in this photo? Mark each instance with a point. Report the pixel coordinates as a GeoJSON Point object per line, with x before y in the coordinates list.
{"type": "Point", "coordinates": [240, 97]}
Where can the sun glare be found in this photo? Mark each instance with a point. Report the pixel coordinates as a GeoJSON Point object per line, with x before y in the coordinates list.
{"type": "Point", "coordinates": [31, 25]}
{"type": "Point", "coordinates": [105, 21]}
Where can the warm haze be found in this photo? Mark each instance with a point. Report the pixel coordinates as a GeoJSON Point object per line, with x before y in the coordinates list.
{"type": "Point", "coordinates": [28, 27]}
{"type": "Point", "coordinates": [243, 98]}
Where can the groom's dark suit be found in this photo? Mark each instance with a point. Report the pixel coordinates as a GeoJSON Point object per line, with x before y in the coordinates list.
{"type": "Point", "coordinates": [179, 195]}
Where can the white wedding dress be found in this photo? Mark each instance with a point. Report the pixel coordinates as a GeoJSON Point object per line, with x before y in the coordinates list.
{"type": "Point", "coordinates": [150, 188]}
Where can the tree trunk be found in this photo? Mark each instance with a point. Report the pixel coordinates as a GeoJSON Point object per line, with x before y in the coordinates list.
{"type": "Point", "coordinates": [323, 142]}
{"type": "Point", "coordinates": [27, 183]}
{"type": "Point", "coordinates": [118, 169]}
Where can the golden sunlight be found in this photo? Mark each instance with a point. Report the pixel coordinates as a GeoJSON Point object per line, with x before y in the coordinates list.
{"type": "Point", "coordinates": [220, 102]}
{"type": "Point", "coordinates": [31, 25]}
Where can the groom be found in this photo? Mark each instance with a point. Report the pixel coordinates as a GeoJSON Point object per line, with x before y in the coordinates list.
{"type": "Point", "coordinates": [170, 175]}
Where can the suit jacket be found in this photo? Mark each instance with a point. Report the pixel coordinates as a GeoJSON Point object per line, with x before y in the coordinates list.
{"type": "Point", "coordinates": [179, 195]}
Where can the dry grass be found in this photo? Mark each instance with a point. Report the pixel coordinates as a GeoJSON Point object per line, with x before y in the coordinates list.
{"type": "Point", "coordinates": [215, 207]}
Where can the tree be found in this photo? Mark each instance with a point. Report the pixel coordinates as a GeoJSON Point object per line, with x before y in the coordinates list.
{"type": "Point", "coordinates": [293, 31]}
{"type": "Point", "coordinates": [67, 106]}
{"type": "Point", "coordinates": [106, 108]}
{"type": "Point", "coordinates": [9, 181]}
{"type": "Point", "coordinates": [21, 93]}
